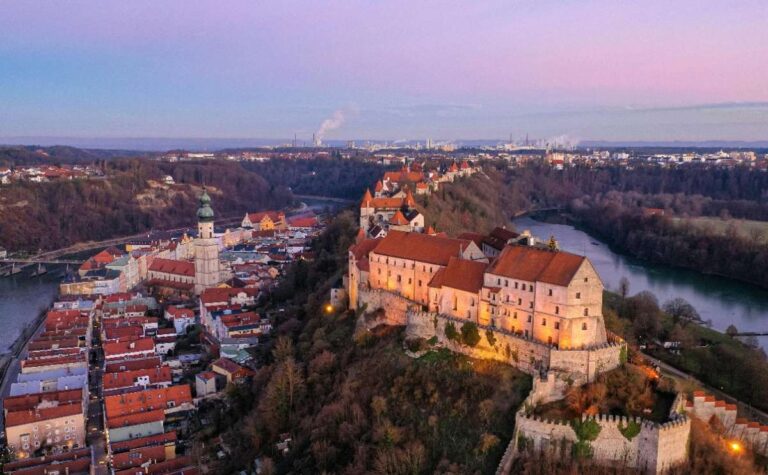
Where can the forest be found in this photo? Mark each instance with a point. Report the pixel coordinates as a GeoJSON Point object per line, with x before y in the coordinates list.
{"type": "Point", "coordinates": [130, 200]}
{"type": "Point", "coordinates": [612, 202]}
{"type": "Point", "coordinates": [331, 176]}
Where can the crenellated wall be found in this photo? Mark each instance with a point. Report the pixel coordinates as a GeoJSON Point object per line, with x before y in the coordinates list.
{"type": "Point", "coordinates": [656, 448]}
{"type": "Point", "coordinates": [705, 407]}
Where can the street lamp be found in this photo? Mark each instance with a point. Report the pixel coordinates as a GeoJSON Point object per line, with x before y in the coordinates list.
{"type": "Point", "coordinates": [329, 309]}
{"type": "Point", "coordinates": [735, 447]}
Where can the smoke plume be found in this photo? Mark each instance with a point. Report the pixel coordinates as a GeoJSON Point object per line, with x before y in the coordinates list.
{"type": "Point", "coordinates": [333, 122]}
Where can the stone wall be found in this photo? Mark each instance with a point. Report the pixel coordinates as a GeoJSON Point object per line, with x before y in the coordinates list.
{"type": "Point", "coordinates": [656, 448]}
{"type": "Point", "coordinates": [531, 356]}
{"type": "Point", "coordinates": [584, 365]}
{"type": "Point", "coordinates": [394, 306]}
{"type": "Point", "coordinates": [525, 354]}
{"type": "Point", "coordinates": [705, 407]}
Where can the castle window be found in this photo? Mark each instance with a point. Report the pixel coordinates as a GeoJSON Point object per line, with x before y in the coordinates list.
{"type": "Point", "coordinates": [515, 317]}
{"type": "Point", "coordinates": [550, 292]}
{"type": "Point", "coordinates": [419, 283]}
{"type": "Point", "coordinates": [578, 295]}
{"type": "Point", "coordinates": [424, 268]}
{"type": "Point", "coordinates": [398, 278]}
{"type": "Point", "coordinates": [515, 284]}
{"type": "Point", "coordinates": [507, 298]}
{"type": "Point", "coordinates": [543, 322]}
{"type": "Point", "coordinates": [506, 283]}
{"type": "Point", "coordinates": [530, 304]}
{"type": "Point", "coordinates": [586, 312]}
{"type": "Point", "coordinates": [557, 310]}
{"type": "Point", "coordinates": [498, 281]}
{"type": "Point", "coordinates": [549, 340]}
{"type": "Point", "coordinates": [472, 303]}
{"type": "Point", "coordinates": [530, 318]}
{"type": "Point", "coordinates": [530, 288]}
{"type": "Point", "coordinates": [455, 303]}
{"type": "Point", "coordinates": [557, 325]}
{"type": "Point", "coordinates": [586, 279]}
{"type": "Point", "coordinates": [409, 281]}
{"type": "Point", "coordinates": [584, 326]}
{"type": "Point", "coordinates": [519, 301]}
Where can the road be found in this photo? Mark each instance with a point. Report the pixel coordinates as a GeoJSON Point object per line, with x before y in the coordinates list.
{"type": "Point", "coordinates": [96, 437]}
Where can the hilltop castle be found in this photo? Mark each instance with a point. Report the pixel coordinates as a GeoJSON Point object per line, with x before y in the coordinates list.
{"type": "Point", "coordinates": [543, 307]}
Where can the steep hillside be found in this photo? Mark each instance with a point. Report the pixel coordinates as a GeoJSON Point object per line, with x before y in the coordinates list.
{"type": "Point", "coordinates": [131, 200]}
{"type": "Point", "coordinates": [353, 402]}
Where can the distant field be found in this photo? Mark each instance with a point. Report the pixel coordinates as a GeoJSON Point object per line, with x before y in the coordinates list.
{"type": "Point", "coordinates": [745, 227]}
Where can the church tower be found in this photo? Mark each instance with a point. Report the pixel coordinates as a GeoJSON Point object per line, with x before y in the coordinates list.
{"type": "Point", "coordinates": [206, 248]}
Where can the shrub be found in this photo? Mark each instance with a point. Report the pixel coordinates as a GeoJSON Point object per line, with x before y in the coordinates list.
{"type": "Point", "coordinates": [630, 431]}
{"type": "Point", "coordinates": [587, 430]}
{"type": "Point", "coordinates": [416, 344]}
{"type": "Point", "coordinates": [490, 337]}
{"type": "Point", "coordinates": [432, 341]}
{"type": "Point", "coordinates": [623, 354]}
{"type": "Point", "coordinates": [450, 331]}
{"type": "Point", "coordinates": [470, 334]}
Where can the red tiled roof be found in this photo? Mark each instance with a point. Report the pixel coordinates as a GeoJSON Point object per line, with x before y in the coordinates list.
{"type": "Point", "coordinates": [274, 216]}
{"type": "Point", "coordinates": [39, 464]}
{"type": "Point", "coordinates": [177, 312]}
{"type": "Point", "coordinates": [159, 439]}
{"type": "Point", "coordinates": [30, 401]}
{"type": "Point", "coordinates": [138, 456]}
{"type": "Point", "coordinates": [56, 361]}
{"type": "Point", "coordinates": [136, 418]}
{"type": "Point", "coordinates": [142, 345]}
{"type": "Point", "coordinates": [178, 466]}
{"type": "Point", "coordinates": [398, 219]}
{"type": "Point", "coordinates": [116, 332]}
{"type": "Point", "coordinates": [532, 264]}
{"type": "Point", "coordinates": [17, 418]}
{"type": "Point", "coordinates": [302, 222]}
{"type": "Point", "coordinates": [123, 379]}
{"type": "Point", "coordinates": [223, 294]}
{"type": "Point", "coordinates": [133, 364]}
{"type": "Point", "coordinates": [420, 247]}
{"type": "Point", "coordinates": [461, 274]}
{"type": "Point", "coordinates": [170, 266]}
{"type": "Point", "coordinates": [149, 400]}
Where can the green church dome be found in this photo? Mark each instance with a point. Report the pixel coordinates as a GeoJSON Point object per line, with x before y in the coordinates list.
{"type": "Point", "coordinates": [205, 212]}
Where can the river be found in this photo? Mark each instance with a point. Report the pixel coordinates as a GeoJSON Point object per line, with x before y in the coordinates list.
{"type": "Point", "coordinates": [723, 301]}
{"type": "Point", "coordinates": [21, 300]}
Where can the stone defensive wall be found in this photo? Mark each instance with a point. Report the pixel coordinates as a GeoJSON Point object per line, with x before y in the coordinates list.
{"type": "Point", "coordinates": [705, 407]}
{"type": "Point", "coordinates": [634, 442]}
{"type": "Point", "coordinates": [530, 356]}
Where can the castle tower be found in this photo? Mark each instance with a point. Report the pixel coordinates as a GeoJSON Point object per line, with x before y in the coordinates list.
{"type": "Point", "coordinates": [207, 272]}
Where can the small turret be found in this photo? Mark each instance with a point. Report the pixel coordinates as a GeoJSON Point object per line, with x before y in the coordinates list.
{"type": "Point", "coordinates": [367, 198]}
{"type": "Point", "coordinates": [409, 201]}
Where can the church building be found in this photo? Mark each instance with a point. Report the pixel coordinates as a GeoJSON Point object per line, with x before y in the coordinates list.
{"type": "Point", "coordinates": [207, 271]}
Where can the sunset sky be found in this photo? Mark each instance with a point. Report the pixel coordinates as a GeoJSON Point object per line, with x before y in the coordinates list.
{"type": "Point", "coordinates": [397, 69]}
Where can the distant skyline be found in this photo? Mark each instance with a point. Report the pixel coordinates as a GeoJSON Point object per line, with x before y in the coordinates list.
{"type": "Point", "coordinates": [385, 70]}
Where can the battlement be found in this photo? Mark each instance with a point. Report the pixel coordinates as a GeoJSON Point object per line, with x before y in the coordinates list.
{"type": "Point", "coordinates": [705, 406]}
{"type": "Point", "coordinates": [652, 447]}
